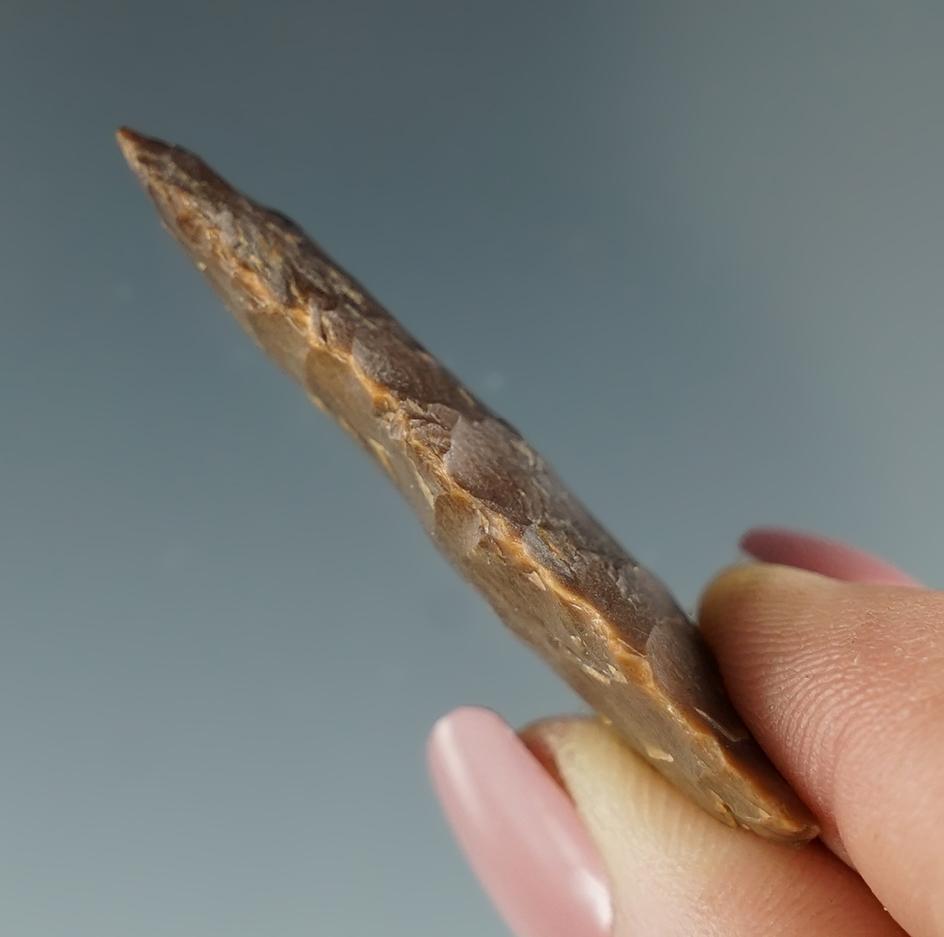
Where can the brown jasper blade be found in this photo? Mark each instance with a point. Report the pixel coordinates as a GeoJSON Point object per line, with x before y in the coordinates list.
{"type": "Point", "coordinates": [488, 500]}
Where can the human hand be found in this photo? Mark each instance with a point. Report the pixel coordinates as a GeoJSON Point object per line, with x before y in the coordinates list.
{"type": "Point", "coordinates": [836, 662]}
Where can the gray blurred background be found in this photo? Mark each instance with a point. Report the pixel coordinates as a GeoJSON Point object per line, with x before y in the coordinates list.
{"type": "Point", "coordinates": [693, 250]}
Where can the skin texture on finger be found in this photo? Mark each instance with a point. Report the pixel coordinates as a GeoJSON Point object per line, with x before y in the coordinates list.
{"type": "Point", "coordinates": [821, 555]}
{"type": "Point", "coordinates": [843, 685]}
{"type": "Point", "coordinates": [675, 871]}
{"type": "Point", "coordinates": [831, 558]}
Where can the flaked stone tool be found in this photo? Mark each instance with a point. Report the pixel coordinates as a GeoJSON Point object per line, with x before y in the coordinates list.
{"type": "Point", "coordinates": [488, 500]}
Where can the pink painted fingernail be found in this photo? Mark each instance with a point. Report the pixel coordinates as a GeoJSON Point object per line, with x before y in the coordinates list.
{"type": "Point", "coordinates": [518, 829]}
{"type": "Point", "coordinates": [821, 555]}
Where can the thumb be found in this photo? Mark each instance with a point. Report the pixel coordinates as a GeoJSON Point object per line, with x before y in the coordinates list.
{"type": "Point", "coordinates": [675, 870]}
{"type": "Point", "coordinates": [572, 834]}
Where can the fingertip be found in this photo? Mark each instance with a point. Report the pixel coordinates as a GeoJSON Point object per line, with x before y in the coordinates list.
{"type": "Point", "coordinates": [463, 722]}
{"type": "Point", "coordinates": [820, 554]}
{"type": "Point", "coordinates": [518, 828]}
{"type": "Point", "coordinates": [752, 594]}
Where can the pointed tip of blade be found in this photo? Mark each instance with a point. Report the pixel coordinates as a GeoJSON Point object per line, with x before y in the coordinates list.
{"type": "Point", "coordinates": [199, 208]}
{"type": "Point", "coordinates": [141, 152]}
{"type": "Point", "coordinates": [129, 140]}
{"type": "Point", "coordinates": [164, 168]}
{"type": "Point", "coordinates": [157, 164]}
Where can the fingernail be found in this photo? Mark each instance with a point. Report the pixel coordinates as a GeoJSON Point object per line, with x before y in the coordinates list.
{"type": "Point", "coordinates": [821, 555]}
{"type": "Point", "coordinates": [518, 829]}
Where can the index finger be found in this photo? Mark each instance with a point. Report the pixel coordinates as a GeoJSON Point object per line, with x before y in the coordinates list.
{"type": "Point", "coordinates": [843, 685]}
